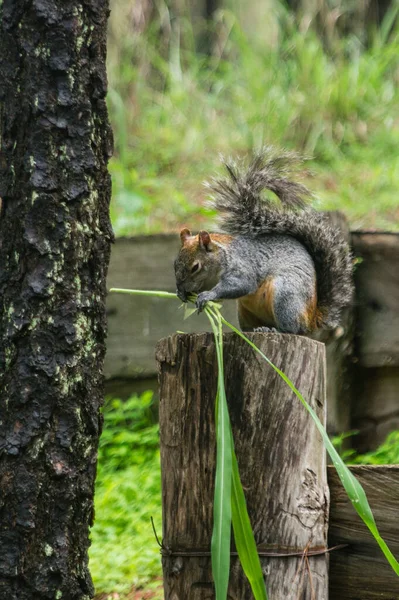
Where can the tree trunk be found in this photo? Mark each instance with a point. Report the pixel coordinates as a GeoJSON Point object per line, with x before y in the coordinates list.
{"type": "Point", "coordinates": [55, 240]}
{"type": "Point", "coordinates": [280, 455]}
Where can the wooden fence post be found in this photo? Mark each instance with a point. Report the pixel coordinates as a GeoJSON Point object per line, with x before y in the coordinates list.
{"type": "Point", "coordinates": [280, 454]}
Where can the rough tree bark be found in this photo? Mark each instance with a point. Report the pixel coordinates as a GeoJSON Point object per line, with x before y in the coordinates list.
{"type": "Point", "coordinates": [279, 451]}
{"type": "Point", "coordinates": [55, 239]}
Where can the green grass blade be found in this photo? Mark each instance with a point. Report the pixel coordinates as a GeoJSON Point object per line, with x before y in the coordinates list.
{"type": "Point", "coordinates": [244, 537]}
{"type": "Point", "coordinates": [221, 535]}
{"type": "Point", "coordinates": [188, 312]}
{"type": "Point", "coordinates": [352, 487]}
{"type": "Point", "coordinates": [387, 24]}
{"type": "Point", "coordinates": [144, 293]}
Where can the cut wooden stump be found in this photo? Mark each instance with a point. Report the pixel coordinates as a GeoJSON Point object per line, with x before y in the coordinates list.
{"type": "Point", "coordinates": [280, 455]}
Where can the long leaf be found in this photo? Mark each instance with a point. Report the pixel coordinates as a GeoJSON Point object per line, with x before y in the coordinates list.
{"type": "Point", "coordinates": [243, 534]}
{"type": "Point", "coordinates": [144, 293]}
{"type": "Point", "coordinates": [352, 486]}
{"type": "Point", "coordinates": [244, 538]}
{"type": "Point", "coordinates": [221, 535]}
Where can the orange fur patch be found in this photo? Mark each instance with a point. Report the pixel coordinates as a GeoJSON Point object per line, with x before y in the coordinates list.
{"type": "Point", "coordinates": [310, 317]}
{"type": "Point", "coordinates": [221, 238]}
{"type": "Point", "coordinates": [256, 310]}
{"type": "Point", "coordinates": [191, 243]}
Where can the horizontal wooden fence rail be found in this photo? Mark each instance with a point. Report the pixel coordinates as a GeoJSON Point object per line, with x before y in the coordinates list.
{"type": "Point", "coordinates": [360, 571]}
{"type": "Point", "coordinates": [375, 398]}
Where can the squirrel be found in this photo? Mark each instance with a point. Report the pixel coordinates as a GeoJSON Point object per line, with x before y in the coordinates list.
{"type": "Point", "coordinates": [290, 271]}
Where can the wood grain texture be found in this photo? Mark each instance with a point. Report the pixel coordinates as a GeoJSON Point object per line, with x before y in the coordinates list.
{"type": "Point", "coordinates": [279, 451]}
{"type": "Point", "coordinates": [360, 571]}
{"type": "Point", "coordinates": [377, 286]}
{"type": "Point", "coordinates": [375, 409]}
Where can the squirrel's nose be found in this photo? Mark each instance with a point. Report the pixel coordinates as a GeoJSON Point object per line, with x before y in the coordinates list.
{"type": "Point", "coordinates": [181, 294]}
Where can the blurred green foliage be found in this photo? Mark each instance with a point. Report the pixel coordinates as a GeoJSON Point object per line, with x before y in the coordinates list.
{"type": "Point", "coordinates": [174, 109]}
{"type": "Point", "coordinates": [124, 551]}
{"type": "Point", "coordinates": [130, 434]}
{"type": "Point", "coordinates": [386, 454]}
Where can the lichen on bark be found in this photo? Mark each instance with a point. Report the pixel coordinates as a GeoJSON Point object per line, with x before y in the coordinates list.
{"type": "Point", "coordinates": [55, 237]}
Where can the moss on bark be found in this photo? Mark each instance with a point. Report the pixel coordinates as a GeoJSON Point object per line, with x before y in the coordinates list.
{"type": "Point", "coordinates": [55, 237]}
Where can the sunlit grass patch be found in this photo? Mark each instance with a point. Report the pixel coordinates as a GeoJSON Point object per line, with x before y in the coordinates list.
{"type": "Point", "coordinates": [124, 551]}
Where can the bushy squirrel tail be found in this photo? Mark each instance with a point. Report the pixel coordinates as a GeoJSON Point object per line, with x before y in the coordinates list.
{"type": "Point", "coordinates": [246, 211]}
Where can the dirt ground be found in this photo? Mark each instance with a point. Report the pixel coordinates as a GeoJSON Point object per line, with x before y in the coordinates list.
{"type": "Point", "coordinates": [134, 594]}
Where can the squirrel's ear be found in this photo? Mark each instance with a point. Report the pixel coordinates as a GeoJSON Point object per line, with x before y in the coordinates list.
{"type": "Point", "coordinates": [205, 241]}
{"type": "Point", "coordinates": [184, 235]}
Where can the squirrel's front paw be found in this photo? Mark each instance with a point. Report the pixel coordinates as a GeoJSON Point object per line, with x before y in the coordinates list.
{"type": "Point", "coordinates": [202, 299]}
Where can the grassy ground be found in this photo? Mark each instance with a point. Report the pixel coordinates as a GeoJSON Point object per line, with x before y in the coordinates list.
{"type": "Point", "coordinates": [124, 552]}
{"type": "Point", "coordinates": [174, 110]}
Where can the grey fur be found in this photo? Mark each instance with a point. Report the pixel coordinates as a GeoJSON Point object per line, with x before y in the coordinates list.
{"type": "Point", "coordinates": [269, 170]}
{"type": "Point", "coordinates": [264, 232]}
{"type": "Point", "coordinates": [244, 265]}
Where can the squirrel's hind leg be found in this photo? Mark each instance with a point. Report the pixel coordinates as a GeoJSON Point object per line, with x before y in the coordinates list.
{"type": "Point", "coordinates": [250, 323]}
{"type": "Point", "coordinates": [290, 306]}
{"type": "Point", "coordinates": [280, 305]}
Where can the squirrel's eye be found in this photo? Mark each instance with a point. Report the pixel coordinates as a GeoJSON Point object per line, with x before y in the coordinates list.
{"type": "Point", "coordinates": [195, 268]}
